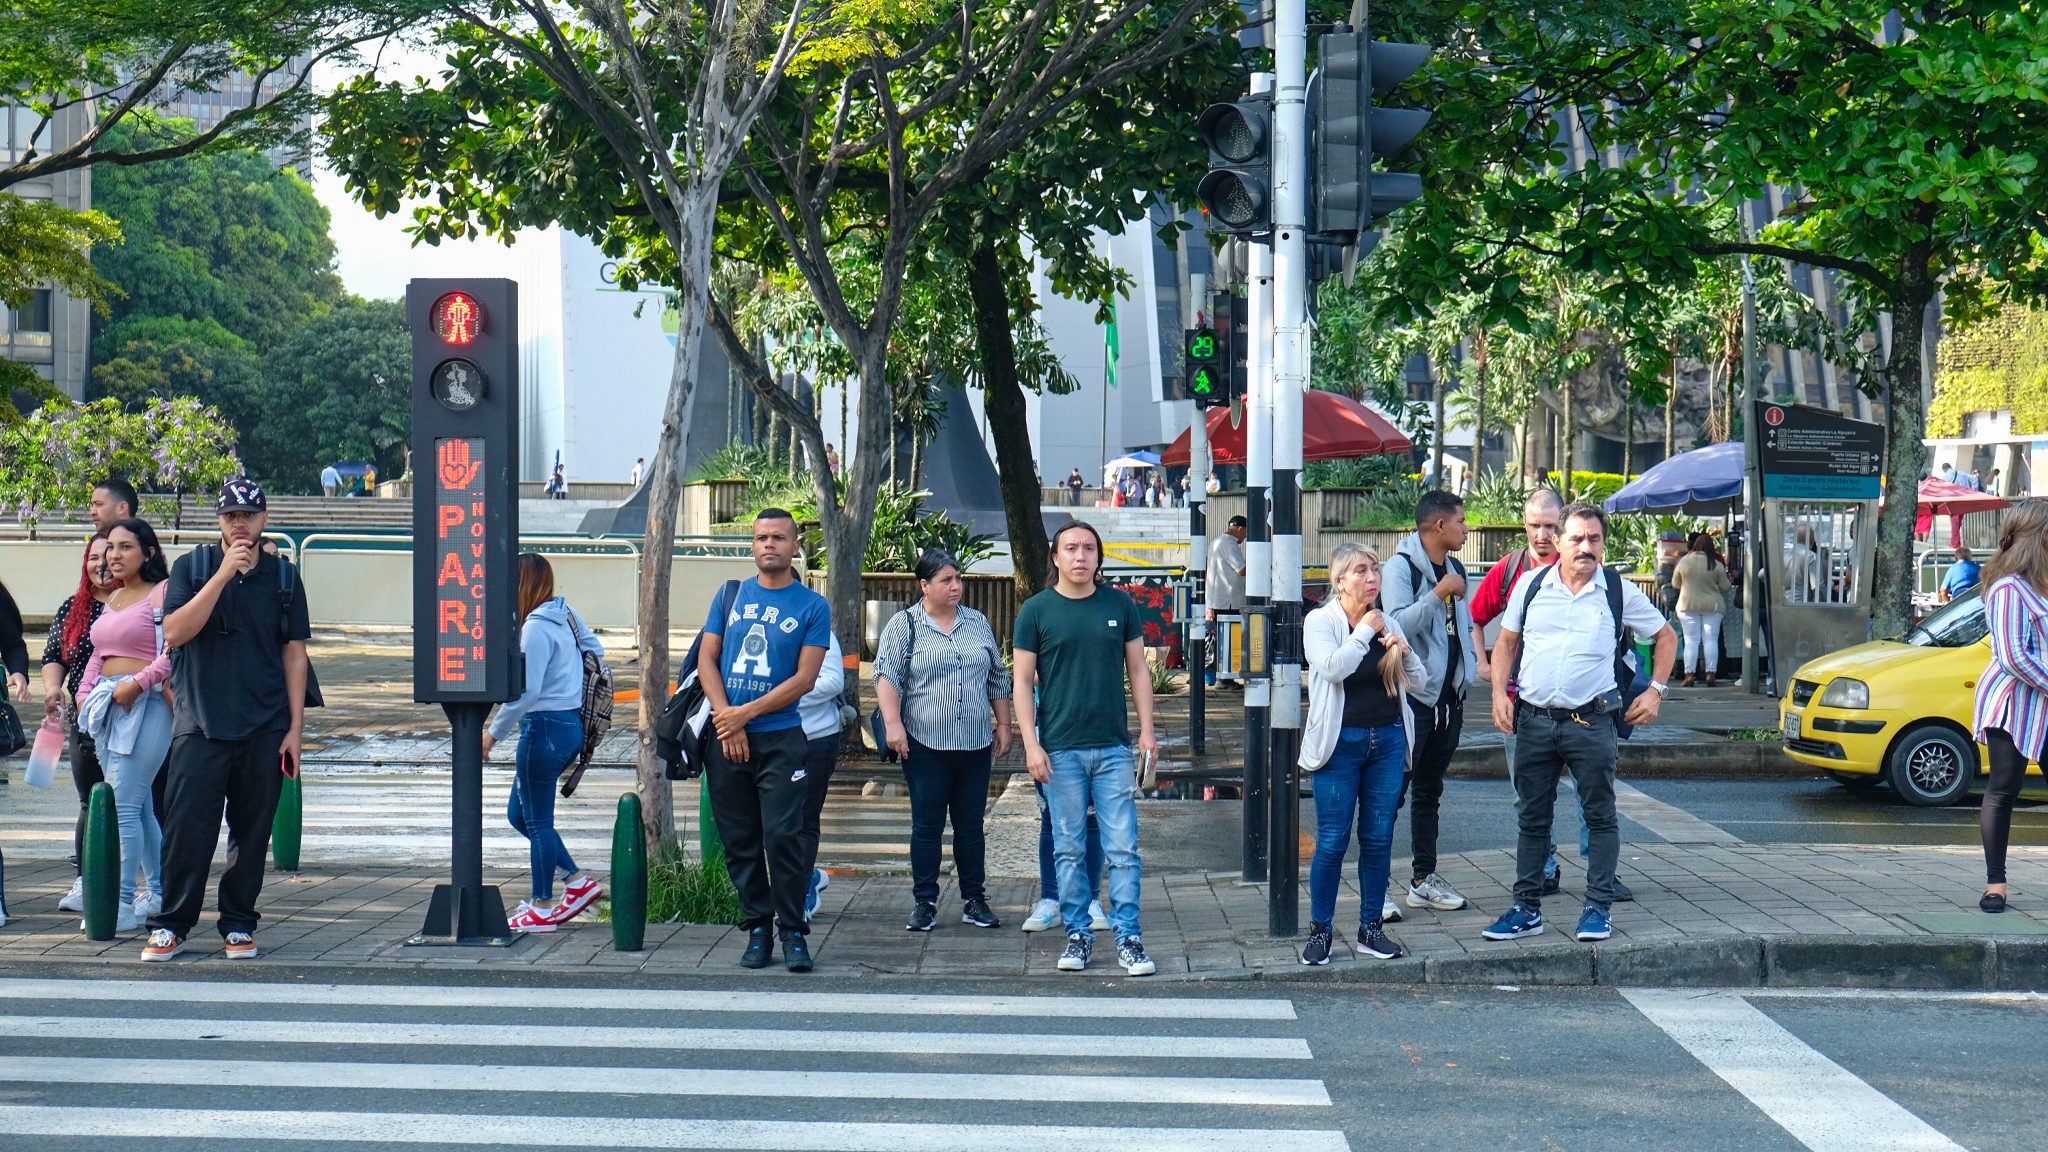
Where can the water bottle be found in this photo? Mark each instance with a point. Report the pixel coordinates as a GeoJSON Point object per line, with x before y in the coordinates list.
{"type": "Point", "coordinates": [49, 748]}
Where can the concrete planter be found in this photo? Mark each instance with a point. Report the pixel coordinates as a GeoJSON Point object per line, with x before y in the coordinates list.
{"type": "Point", "coordinates": [709, 502]}
{"type": "Point", "coordinates": [885, 593]}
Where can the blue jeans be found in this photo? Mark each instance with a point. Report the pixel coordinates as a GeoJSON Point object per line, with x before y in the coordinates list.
{"type": "Point", "coordinates": [1106, 778]}
{"type": "Point", "coordinates": [1048, 869]}
{"type": "Point", "coordinates": [132, 775]}
{"type": "Point", "coordinates": [548, 741]}
{"type": "Point", "coordinates": [1362, 778]}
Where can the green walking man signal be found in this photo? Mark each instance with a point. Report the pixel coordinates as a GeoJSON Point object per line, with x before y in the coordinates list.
{"type": "Point", "coordinates": [1208, 374]}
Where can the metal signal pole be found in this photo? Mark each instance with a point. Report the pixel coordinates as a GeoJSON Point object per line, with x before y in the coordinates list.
{"type": "Point", "coordinates": [1258, 548]}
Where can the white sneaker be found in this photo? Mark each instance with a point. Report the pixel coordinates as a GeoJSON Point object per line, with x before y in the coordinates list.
{"type": "Point", "coordinates": [148, 904]}
{"type": "Point", "coordinates": [1096, 919]}
{"type": "Point", "coordinates": [1389, 911]}
{"type": "Point", "coordinates": [1044, 914]}
{"type": "Point", "coordinates": [1433, 891]}
{"type": "Point", "coordinates": [74, 900]}
{"type": "Point", "coordinates": [124, 921]}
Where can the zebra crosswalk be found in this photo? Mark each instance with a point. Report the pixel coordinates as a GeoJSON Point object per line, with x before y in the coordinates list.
{"type": "Point", "coordinates": [399, 817]}
{"type": "Point", "coordinates": [185, 1063]}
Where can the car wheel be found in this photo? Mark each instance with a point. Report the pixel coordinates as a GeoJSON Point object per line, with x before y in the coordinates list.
{"type": "Point", "coordinates": [1933, 766]}
{"type": "Point", "coordinates": [1857, 781]}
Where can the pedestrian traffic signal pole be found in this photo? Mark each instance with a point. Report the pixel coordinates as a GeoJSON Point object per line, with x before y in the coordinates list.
{"type": "Point", "coordinates": [1258, 547]}
{"type": "Point", "coordinates": [1198, 540]}
{"type": "Point", "coordinates": [1289, 368]}
{"type": "Point", "coordinates": [466, 655]}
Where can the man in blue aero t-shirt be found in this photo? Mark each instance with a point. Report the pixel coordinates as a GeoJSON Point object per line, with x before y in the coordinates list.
{"type": "Point", "coordinates": [758, 659]}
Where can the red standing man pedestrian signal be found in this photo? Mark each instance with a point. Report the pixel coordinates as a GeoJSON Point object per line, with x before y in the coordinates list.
{"type": "Point", "coordinates": [458, 318]}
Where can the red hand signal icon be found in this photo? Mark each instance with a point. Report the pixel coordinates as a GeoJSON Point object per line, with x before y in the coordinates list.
{"type": "Point", "coordinates": [457, 469]}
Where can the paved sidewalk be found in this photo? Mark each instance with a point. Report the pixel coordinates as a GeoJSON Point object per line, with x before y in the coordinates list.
{"type": "Point", "coordinates": [1705, 915]}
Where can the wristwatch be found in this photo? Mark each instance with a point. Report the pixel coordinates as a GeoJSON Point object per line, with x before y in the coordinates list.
{"type": "Point", "coordinates": [1662, 688]}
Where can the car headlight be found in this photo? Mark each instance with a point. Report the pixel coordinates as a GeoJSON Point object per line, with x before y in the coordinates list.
{"type": "Point", "coordinates": [1846, 693]}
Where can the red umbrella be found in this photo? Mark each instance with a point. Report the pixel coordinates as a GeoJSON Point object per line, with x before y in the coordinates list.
{"type": "Point", "coordinates": [1954, 499]}
{"type": "Point", "coordinates": [1334, 427]}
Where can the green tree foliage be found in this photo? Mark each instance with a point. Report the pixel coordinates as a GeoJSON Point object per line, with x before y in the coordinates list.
{"type": "Point", "coordinates": [106, 64]}
{"type": "Point", "coordinates": [1909, 136]}
{"type": "Point", "coordinates": [50, 461]}
{"type": "Point", "coordinates": [338, 389]}
{"type": "Point", "coordinates": [221, 241]}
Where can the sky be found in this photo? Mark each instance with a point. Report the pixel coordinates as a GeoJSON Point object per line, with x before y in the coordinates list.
{"type": "Point", "coordinates": [376, 257]}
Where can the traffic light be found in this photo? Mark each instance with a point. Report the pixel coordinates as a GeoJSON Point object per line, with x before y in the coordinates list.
{"type": "Point", "coordinates": [1351, 130]}
{"type": "Point", "coordinates": [465, 452]}
{"type": "Point", "coordinates": [1238, 338]}
{"type": "Point", "coordinates": [1237, 192]}
{"type": "Point", "coordinates": [1208, 377]}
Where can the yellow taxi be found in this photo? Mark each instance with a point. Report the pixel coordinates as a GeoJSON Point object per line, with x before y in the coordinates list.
{"type": "Point", "coordinates": [1896, 712]}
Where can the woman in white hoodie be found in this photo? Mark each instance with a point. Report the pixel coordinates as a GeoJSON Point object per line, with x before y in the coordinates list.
{"type": "Point", "coordinates": [1355, 745]}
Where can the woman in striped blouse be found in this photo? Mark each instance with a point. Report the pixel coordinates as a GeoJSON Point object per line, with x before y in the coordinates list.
{"type": "Point", "coordinates": [2012, 698]}
{"type": "Point", "coordinates": [944, 694]}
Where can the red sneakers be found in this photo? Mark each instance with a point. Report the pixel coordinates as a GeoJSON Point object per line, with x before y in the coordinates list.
{"type": "Point", "coordinates": [581, 893]}
{"type": "Point", "coordinates": [527, 918]}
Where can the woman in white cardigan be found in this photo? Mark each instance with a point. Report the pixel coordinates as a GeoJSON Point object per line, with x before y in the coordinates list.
{"type": "Point", "coordinates": [1355, 745]}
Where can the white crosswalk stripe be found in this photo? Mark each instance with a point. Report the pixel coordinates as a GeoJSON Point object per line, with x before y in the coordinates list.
{"type": "Point", "coordinates": [400, 817]}
{"type": "Point", "coordinates": [270, 1062]}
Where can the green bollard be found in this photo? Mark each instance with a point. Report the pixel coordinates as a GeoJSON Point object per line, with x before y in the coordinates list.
{"type": "Point", "coordinates": [101, 865]}
{"type": "Point", "coordinates": [709, 846]}
{"type": "Point", "coordinates": [629, 877]}
{"type": "Point", "coordinates": [288, 826]}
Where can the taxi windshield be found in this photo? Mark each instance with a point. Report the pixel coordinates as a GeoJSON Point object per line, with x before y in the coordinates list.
{"type": "Point", "coordinates": [1956, 624]}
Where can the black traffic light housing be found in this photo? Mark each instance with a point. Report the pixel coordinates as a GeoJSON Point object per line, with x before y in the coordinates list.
{"type": "Point", "coordinates": [465, 454]}
{"type": "Point", "coordinates": [1208, 371]}
{"type": "Point", "coordinates": [1237, 192]}
{"type": "Point", "coordinates": [1350, 129]}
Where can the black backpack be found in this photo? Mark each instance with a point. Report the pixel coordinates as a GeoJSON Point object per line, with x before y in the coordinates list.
{"type": "Point", "coordinates": [203, 559]}
{"type": "Point", "coordinates": [1630, 682]}
{"type": "Point", "coordinates": [684, 726]}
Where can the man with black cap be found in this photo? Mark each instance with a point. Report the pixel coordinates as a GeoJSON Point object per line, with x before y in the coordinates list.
{"type": "Point", "coordinates": [236, 619]}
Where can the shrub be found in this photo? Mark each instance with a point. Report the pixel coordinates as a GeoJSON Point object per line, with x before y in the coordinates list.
{"type": "Point", "coordinates": [1495, 501]}
{"type": "Point", "coordinates": [1587, 487]}
{"type": "Point", "coordinates": [684, 891]}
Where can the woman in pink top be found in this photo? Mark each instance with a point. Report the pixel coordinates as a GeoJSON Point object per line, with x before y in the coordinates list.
{"type": "Point", "coordinates": [2012, 698]}
{"type": "Point", "coordinates": [131, 720]}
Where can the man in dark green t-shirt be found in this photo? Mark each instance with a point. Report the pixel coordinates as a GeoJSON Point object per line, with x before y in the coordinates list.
{"type": "Point", "coordinates": [1074, 643]}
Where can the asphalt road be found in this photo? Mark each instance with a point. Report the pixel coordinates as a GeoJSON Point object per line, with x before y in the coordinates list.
{"type": "Point", "coordinates": [382, 1060]}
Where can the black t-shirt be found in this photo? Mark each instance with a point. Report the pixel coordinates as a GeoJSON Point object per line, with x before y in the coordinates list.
{"type": "Point", "coordinates": [229, 679]}
{"type": "Point", "coordinates": [1456, 647]}
{"type": "Point", "coordinates": [1367, 703]}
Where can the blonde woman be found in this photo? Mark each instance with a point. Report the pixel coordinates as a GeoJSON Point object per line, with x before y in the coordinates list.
{"type": "Point", "coordinates": [1355, 745]}
{"type": "Point", "coordinates": [2012, 698]}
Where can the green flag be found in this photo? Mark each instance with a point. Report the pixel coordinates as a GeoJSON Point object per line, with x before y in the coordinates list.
{"type": "Point", "coordinates": [1112, 350]}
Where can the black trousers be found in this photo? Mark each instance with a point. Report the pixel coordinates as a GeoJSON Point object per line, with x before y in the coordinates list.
{"type": "Point", "coordinates": [240, 777]}
{"type": "Point", "coordinates": [1437, 728]}
{"type": "Point", "coordinates": [821, 756]}
{"type": "Point", "coordinates": [945, 782]}
{"type": "Point", "coordinates": [1994, 819]}
{"type": "Point", "coordinates": [759, 807]}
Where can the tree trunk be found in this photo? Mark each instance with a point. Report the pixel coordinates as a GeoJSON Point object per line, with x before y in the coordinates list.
{"type": "Point", "coordinates": [1567, 446]}
{"type": "Point", "coordinates": [1628, 439]}
{"type": "Point", "coordinates": [1905, 458]}
{"type": "Point", "coordinates": [1479, 412]}
{"type": "Point", "coordinates": [1003, 397]}
{"type": "Point", "coordinates": [1436, 441]}
{"type": "Point", "coordinates": [1671, 406]}
{"type": "Point", "coordinates": [1525, 449]}
{"type": "Point", "coordinates": [664, 501]}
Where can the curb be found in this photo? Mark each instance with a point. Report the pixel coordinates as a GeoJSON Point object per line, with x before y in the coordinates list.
{"type": "Point", "coordinates": [1741, 759]}
{"type": "Point", "coordinates": [1946, 963]}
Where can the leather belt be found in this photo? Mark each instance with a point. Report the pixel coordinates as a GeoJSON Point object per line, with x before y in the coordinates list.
{"type": "Point", "coordinates": [1576, 715]}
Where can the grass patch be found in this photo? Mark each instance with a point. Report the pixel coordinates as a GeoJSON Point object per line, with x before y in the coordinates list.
{"type": "Point", "coordinates": [681, 890]}
{"type": "Point", "coordinates": [1757, 735]}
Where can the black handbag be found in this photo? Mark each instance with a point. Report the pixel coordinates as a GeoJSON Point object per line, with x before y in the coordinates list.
{"type": "Point", "coordinates": [12, 737]}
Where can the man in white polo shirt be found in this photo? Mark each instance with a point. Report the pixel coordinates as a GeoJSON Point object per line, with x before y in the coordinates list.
{"type": "Point", "coordinates": [1565, 687]}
